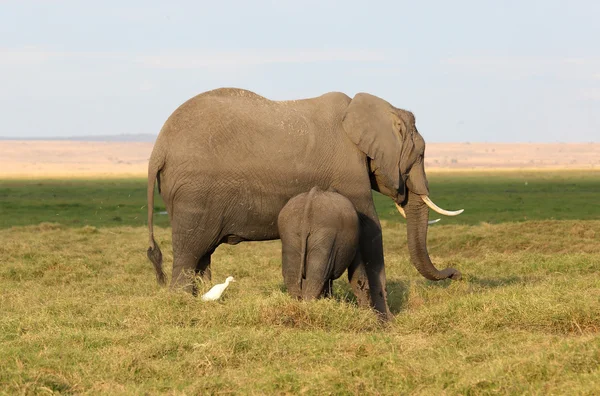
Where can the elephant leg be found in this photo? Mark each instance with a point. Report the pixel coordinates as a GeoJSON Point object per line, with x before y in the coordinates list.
{"type": "Point", "coordinates": [372, 255]}
{"type": "Point", "coordinates": [202, 270]}
{"type": "Point", "coordinates": [367, 273]}
{"type": "Point", "coordinates": [192, 249]}
{"type": "Point", "coordinates": [327, 289]}
{"type": "Point", "coordinates": [319, 263]}
{"type": "Point", "coordinates": [291, 270]}
{"type": "Point", "coordinates": [184, 269]}
{"type": "Point", "coordinates": [203, 267]}
{"type": "Point", "coordinates": [357, 276]}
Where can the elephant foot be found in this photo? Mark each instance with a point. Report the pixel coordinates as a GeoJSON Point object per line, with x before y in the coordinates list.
{"type": "Point", "coordinates": [385, 317]}
{"type": "Point", "coordinates": [185, 281]}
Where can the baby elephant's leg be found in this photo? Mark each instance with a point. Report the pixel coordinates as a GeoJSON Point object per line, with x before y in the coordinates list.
{"type": "Point", "coordinates": [327, 289]}
{"type": "Point", "coordinates": [291, 270]}
{"type": "Point", "coordinates": [318, 272]}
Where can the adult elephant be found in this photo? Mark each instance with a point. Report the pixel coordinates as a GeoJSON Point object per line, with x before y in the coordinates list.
{"type": "Point", "coordinates": [228, 160]}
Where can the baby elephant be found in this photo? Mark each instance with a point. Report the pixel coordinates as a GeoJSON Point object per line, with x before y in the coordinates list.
{"type": "Point", "coordinates": [319, 233]}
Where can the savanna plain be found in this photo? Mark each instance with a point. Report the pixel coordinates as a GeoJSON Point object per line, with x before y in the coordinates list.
{"type": "Point", "coordinates": [81, 313]}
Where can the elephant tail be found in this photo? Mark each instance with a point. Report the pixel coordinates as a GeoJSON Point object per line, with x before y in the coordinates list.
{"type": "Point", "coordinates": [304, 232]}
{"type": "Point", "coordinates": [154, 253]}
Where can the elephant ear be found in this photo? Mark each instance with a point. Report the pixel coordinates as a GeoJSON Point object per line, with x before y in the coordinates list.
{"type": "Point", "coordinates": [371, 124]}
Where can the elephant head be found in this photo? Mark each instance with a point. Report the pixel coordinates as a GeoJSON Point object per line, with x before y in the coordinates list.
{"type": "Point", "coordinates": [395, 150]}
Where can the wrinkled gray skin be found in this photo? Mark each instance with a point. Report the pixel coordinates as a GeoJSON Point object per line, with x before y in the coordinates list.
{"type": "Point", "coordinates": [228, 160]}
{"type": "Point", "coordinates": [319, 233]}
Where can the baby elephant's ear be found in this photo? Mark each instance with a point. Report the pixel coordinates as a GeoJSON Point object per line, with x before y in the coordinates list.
{"type": "Point", "coordinates": [370, 124]}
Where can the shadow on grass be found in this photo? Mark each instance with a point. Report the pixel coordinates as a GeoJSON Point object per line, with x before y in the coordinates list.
{"type": "Point", "coordinates": [492, 283]}
{"type": "Point", "coordinates": [398, 290]}
{"type": "Point", "coordinates": [342, 292]}
{"type": "Point", "coordinates": [397, 295]}
{"type": "Point", "coordinates": [487, 283]}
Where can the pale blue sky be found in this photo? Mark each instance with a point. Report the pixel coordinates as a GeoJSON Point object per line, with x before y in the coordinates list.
{"type": "Point", "coordinates": [478, 71]}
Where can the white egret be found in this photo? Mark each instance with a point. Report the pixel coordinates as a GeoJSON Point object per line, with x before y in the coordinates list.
{"type": "Point", "coordinates": [216, 291]}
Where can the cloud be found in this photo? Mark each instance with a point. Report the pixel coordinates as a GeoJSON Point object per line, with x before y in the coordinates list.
{"type": "Point", "coordinates": [381, 71]}
{"type": "Point", "coordinates": [590, 94]}
{"type": "Point", "coordinates": [35, 56]}
{"type": "Point", "coordinates": [192, 59]}
{"type": "Point", "coordinates": [146, 86]}
{"type": "Point", "coordinates": [188, 60]}
{"type": "Point", "coordinates": [24, 57]}
{"type": "Point", "coordinates": [527, 66]}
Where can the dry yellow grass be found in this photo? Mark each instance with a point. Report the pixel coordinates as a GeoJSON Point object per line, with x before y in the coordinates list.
{"type": "Point", "coordinates": [81, 313]}
{"type": "Point", "coordinates": [508, 156]}
{"type": "Point", "coordinates": [42, 159]}
{"type": "Point", "coordinates": [45, 159]}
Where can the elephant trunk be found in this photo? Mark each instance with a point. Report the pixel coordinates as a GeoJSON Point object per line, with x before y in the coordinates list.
{"type": "Point", "coordinates": [417, 216]}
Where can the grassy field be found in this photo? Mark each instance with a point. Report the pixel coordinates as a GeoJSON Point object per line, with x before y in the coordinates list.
{"type": "Point", "coordinates": [81, 311]}
{"type": "Point", "coordinates": [491, 197]}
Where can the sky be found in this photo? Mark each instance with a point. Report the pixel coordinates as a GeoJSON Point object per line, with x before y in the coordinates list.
{"type": "Point", "coordinates": [470, 71]}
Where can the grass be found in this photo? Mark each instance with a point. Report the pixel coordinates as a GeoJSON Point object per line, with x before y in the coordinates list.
{"type": "Point", "coordinates": [76, 202]}
{"type": "Point", "coordinates": [492, 197]}
{"type": "Point", "coordinates": [81, 312]}
{"type": "Point", "coordinates": [496, 197]}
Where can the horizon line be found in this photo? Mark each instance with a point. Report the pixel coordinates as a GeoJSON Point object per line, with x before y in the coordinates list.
{"type": "Point", "coordinates": [115, 137]}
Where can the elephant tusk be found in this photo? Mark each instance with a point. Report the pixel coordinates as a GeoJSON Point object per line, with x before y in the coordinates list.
{"type": "Point", "coordinates": [403, 213]}
{"type": "Point", "coordinates": [439, 210]}
{"type": "Point", "coordinates": [401, 210]}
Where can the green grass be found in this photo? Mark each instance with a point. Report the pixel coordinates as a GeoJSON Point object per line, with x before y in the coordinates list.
{"type": "Point", "coordinates": [75, 202]}
{"type": "Point", "coordinates": [81, 311]}
{"type": "Point", "coordinates": [492, 197]}
{"type": "Point", "coordinates": [497, 197]}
